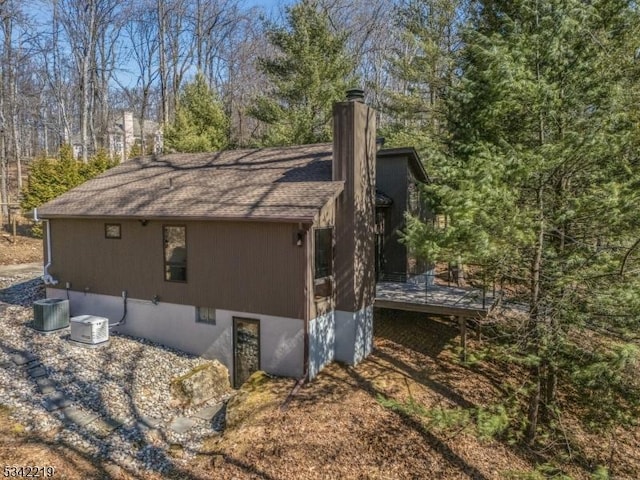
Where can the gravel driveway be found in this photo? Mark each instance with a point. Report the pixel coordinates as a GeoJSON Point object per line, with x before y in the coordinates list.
{"type": "Point", "coordinates": [112, 402]}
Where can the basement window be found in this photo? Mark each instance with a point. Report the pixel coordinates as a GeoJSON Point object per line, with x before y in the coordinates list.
{"type": "Point", "coordinates": [175, 253]}
{"type": "Point", "coordinates": [206, 315]}
{"type": "Point", "coordinates": [112, 230]}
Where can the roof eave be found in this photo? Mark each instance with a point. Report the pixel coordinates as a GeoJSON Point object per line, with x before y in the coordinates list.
{"type": "Point", "coordinates": [333, 198]}
{"type": "Point", "coordinates": [195, 218]}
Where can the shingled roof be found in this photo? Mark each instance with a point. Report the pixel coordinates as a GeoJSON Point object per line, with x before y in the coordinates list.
{"type": "Point", "coordinates": [280, 184]}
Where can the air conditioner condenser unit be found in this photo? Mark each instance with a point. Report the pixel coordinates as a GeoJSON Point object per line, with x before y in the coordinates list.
{"type": "Point", "coordinates": [89, 329]}
{"type": "Point", "coordinates": [50, 314]}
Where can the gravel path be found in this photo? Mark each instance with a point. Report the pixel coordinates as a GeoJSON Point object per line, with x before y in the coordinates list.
{"type": "Point", "coordinates": [112, 402]}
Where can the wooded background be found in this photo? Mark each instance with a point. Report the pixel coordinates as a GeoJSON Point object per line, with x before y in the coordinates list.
{"type": "Point", "coordinates": [69, 68]}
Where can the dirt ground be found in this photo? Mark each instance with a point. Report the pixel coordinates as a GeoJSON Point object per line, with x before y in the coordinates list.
{"type": "Point", "coordinates": [341, 426]}
{"type": "Point", "coordinates": [337, 426]}
{"type": "Point", "coordinates": [25, 249]}
{"type": "Point", "coordinates": [18, 448]}
{"type": "Point", "coordinates": [344, 424]}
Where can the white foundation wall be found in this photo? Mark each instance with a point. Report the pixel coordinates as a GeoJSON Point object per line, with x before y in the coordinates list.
{"type": "Point", "coordinates": [354, 335]}
{"type": "Point", "coordinates": [173, 325]}
{"type": "Point", "coordinates": [322, 337]}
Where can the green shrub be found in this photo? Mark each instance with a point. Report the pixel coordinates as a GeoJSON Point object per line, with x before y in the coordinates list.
{"type": "Point", "coordinates": [51, 177]}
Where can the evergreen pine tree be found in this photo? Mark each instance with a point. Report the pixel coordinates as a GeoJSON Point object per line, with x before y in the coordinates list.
{"type": "Point", "coordinates": [423, 68]}
{"type": "Point", "coordinates": [51, 177]}
{"type": "Point", "coordinates": [201, 124]}
{"type": "Point", "coordinates": [542, 186]}
{"type": "Point", "coordinates": [310, 72]}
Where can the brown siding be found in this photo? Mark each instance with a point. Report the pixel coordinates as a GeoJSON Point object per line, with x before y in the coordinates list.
{"type": "Point", "coordinates": [243, 266]}
{"type": "Point", "coordinates": [391, 179]}
{"type": "Point", "coordinates": [319, 306]}
{"type": "Point", "coordinates": [354, 153]}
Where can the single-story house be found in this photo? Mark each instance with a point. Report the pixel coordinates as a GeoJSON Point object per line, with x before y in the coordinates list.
{"type": "Point", "coordinates": [262, 258]}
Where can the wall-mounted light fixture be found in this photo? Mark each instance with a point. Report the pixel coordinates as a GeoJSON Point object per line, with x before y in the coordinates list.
{"type": "Point", "coordinates": [144, 222]}
{"type": "Point", "coordinates": [300, 238]}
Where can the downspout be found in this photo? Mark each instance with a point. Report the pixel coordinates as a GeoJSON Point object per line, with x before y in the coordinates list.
{"type": "Point", "coordinates": [307, 307]}
{"type": "Point", "coordinates": [46, 276]}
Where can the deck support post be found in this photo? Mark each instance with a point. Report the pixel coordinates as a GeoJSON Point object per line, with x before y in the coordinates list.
{"type": "Point", "coordinates": [462, 322]}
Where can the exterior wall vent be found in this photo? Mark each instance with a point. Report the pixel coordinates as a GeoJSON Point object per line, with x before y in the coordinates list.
{"type": "Point", "coordinates": [50, 314]}
{"type": "Point", "coordinates": [89, 329]}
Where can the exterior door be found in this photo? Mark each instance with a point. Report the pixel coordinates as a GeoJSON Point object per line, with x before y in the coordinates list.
{"type": "Point", "coordinates": [246, 349]}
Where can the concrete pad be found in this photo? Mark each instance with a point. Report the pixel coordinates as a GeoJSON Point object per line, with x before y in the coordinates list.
{"type": "Point", "coordinates": [46, 385]}
{"type": "Point", "coordinates": [77, 416]}
{"type": "Point", "coordinates": [31, 325]}
{"type": "Point", "coordinates": [208, 413]}
{"type": "Point", "coordinates": [148, 423]}
{"type": "Point", "coordinates": [104, 427]}
{"type": "Point", "coordinates": [182, 424]}
{"type": "Point", "coordinates": [56, 401]}
{"type": "Point", "coordinates": [22, 358]}
{"type": "Point", "coordinates": [37, 372]}
{"type": "Point", "coordinates": [90, 346]}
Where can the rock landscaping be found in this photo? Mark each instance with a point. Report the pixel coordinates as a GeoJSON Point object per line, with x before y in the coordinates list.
{"type": "Point", "coordinates": [113, 402]}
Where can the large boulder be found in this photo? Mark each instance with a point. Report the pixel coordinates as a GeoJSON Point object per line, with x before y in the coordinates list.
{"type": "Point", "coordinates": [203, 383]}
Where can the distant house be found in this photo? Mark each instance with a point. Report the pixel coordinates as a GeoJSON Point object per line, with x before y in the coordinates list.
{"type": "Point", "coordinates": [124, 134]}
{"type": "Point", "coordinates": [262, 259]}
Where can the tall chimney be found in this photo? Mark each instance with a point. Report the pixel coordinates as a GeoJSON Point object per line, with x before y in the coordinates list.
{"type": "Point", "coordinates": [354, 160]}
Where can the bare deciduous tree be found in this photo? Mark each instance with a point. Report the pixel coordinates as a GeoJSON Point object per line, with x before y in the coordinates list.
{"type": "Point", "coordinates": [85, 23]}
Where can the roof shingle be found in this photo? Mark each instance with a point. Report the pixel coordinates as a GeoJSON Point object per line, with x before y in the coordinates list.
{"type": "Point", "coordinates": [290, 183]}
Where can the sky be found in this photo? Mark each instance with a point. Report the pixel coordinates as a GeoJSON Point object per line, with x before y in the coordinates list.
{"type": "Point", "coordinates": [40, 11]}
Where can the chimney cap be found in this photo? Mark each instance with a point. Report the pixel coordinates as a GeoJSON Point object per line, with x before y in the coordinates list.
{"type": "Point", "coordinates": [355, 95]}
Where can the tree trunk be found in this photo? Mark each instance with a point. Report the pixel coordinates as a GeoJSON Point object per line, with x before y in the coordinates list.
{"type": "Point", "coordinates": [164, 76]}
{"type": "Point", "coordinates": [4, 173]}
{"type": "Point", "coordinates": [143, 114]}
{"type": "Point", "coordinates": [7, 105]}
{"type": "Point", "coordinates": [45, 131]}
{"type": "Point", "coordinates": [64, 126]}
{"type": "Point", "coordinates": [534, 328]}
{"type": "Point", "coordinates": [17, 141]}
{"type": "Point", "coordinates": [4, 192]}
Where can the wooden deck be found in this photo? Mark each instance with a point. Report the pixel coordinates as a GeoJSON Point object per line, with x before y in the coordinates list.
{"type": "Point", "coordinates": [434, 299]}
